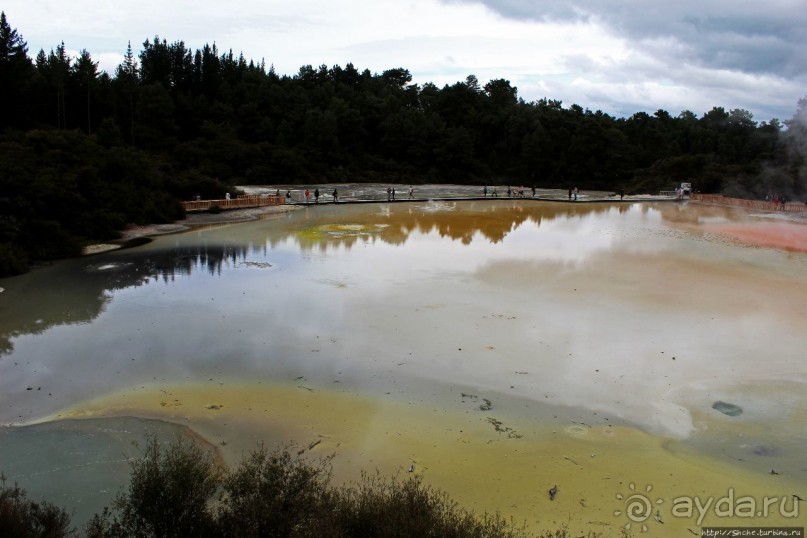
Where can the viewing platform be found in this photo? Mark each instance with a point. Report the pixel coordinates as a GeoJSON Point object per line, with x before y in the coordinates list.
{"type": "Point", "coordinates": [762, 205]}
{"type": "Point", "coordinates": [249, 200]}
{"type": "Point", "coordinates": [368, 195]}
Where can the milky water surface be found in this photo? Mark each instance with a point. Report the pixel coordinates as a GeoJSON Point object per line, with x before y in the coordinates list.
{"type": "Point", "coordinates": [639, 314]}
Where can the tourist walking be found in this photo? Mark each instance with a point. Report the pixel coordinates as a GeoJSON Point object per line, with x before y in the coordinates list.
{"type": "Point", "coordinates": [335, 196]}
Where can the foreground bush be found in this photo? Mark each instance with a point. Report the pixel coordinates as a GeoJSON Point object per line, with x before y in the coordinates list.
{"type": "Point", "coordinates": [169, 494]}
{"type": "Point", "coordinates": [394, 507]}
{"type": "Point", "coordinates": [277, 494]}
{"type": "Point", "coordinates": [21, 517]}
{"type": "Point", "coordinates": [179, 490]}
{"type": "Point", "coordinates": [13, 260]}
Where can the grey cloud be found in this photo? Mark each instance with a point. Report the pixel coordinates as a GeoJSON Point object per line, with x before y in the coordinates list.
{"type": "Point", "coordinates": [759, 37]}
{"type": "Point", "coordinates": [640, 83]}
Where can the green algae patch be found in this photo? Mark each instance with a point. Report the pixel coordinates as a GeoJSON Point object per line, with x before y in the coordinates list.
{"type": "Point", "coordinates": [342, 230]}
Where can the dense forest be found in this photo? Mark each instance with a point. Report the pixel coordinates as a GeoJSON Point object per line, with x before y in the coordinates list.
{"type": "Point", "coordinates": [84, 152]}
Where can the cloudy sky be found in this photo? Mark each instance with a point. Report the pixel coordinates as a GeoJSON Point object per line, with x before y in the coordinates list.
{"type": "Point", "coordinates": [618, 56]}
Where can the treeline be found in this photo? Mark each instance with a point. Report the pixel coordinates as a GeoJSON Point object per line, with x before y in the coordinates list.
{"type": "Point", "coordinates": [172, 122]}
{"type": "Point", "coordinates": [179, 490]}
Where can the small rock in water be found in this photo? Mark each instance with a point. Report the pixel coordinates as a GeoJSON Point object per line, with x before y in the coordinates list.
{"type": "Point", "coordinates": [727, 408]}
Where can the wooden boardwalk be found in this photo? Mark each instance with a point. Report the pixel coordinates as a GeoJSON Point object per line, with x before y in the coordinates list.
{"type": "Point", "coordinates": [259, 200]}
{"type": "Point", "coordinates": [256, 200]}
{"type": "Point", "coordinates": [762, 205]}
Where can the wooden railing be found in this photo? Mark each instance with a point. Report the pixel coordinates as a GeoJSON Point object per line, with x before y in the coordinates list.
{"type": "Point", "coordinates": [255, 200]}
{"type": "Point", "coordinates": [762, 205]}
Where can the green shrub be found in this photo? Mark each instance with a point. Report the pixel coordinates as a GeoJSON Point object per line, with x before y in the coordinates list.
{"type": "Point", "coordinates": [276, 494]}
{"type": "Point", "coordinates": [101, 224]}
{"type": "Point", "coordinates": [392, 507]}
{"type": "Point", "coordinates": [282, 494]}
{"type": "Point", "coordinates": [23, 518]}
{"type": "Point", "coordinates": [170, 494]}
{"type": "Point", "coordinates": [13, 260]}
{"type": "Point", "coordinates": [47, 240]}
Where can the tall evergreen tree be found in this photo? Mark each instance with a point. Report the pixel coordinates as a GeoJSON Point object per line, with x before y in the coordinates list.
{"type": "Point", "coordinates": [84, 75]}
{"type": "Point", "coordinates": [59, 71]}
{"type": "Point", "coordinates": [127, 77]}
{"type": "Point", "coordinates": [15, 71]}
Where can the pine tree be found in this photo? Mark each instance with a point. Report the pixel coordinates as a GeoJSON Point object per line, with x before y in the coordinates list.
{"type": "Point", "coordinates": [59, 64]}
{"type": "Point", "coordinates": [15, 72]}
{"type": "Point", "coordinates": [84, 74]}
{"type": "Point", "coordinates": [127, 77]}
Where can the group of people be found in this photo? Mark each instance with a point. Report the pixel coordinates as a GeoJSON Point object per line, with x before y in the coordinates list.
{"type": "Point", "coordinates": [511, 192]}
{"type": "Point", "coordinates": [391, 193]}
{"type": "Point", "coordinates": [316, 196]}
{"type": "Point", "coordinates": [518, 193]}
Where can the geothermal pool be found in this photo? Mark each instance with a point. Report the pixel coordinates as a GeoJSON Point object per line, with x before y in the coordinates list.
{"type": "Point", "coordinates": [501, 347]}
